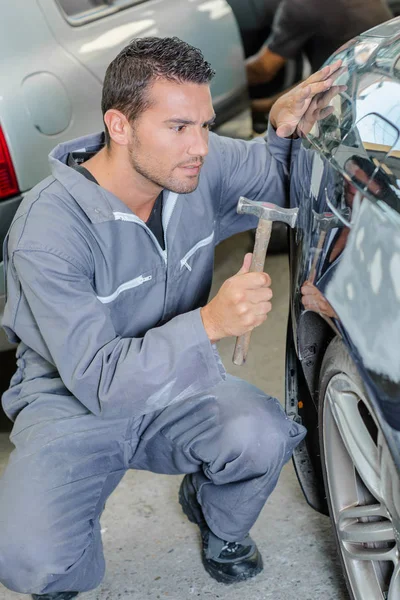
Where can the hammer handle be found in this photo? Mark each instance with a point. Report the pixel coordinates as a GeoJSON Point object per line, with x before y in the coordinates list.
{"type": "Point", "coordinates": [263, 235]}
{"type": "Point", "coordinates": [317, 254]}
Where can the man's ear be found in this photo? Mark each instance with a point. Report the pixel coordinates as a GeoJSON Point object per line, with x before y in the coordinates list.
{"type": "Point", "coordinates": [118, 126]}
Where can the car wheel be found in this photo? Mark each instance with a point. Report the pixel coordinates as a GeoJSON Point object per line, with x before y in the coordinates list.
{"type": "Point", "coordinates": [361, 481]}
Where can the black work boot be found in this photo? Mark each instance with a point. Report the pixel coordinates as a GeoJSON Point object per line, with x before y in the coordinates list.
{"type": "Point", "coordinates": [55, 596]}
{"type": "Point", "coordinates": [227, 562]}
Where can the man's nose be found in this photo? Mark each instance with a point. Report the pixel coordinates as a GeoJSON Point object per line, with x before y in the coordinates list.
{"type": "Point", "coordinates": [199, 143]}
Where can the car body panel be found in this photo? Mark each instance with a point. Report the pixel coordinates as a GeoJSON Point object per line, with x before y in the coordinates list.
{"type": "Point", "coordinates": [28, 49]}
{"type": "Point", "coordinates": [209, 25]}
{"type": "Point", "coordinates": [346, 181]}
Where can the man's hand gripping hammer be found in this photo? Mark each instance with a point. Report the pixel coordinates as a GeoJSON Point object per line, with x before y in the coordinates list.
{"type": "Point", "coordinates": [267, 214]}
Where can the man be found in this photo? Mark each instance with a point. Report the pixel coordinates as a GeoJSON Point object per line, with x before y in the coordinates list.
{"type": "Point", "coordinates": [109, 264]}
{"type": "Point", "coordinates": [314, 27]}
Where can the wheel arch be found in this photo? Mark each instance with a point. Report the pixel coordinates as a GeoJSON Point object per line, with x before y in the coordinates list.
{"type": "Point", "coordinates": [314, 334]}
{"type": "Point", "coordinates": [303, 364]}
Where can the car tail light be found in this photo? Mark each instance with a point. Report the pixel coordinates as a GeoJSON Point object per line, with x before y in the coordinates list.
{"type": "Point", "coordinates": [8, 179]}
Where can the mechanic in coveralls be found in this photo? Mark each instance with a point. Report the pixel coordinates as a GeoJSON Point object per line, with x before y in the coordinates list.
{"type": "Point", "coordinates": [109, 263]}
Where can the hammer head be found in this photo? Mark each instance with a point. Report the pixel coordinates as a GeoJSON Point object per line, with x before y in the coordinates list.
{"type": "Point", "coordinates": [267, 211]}
{"type": "Point", "coordinates": [328, 220]}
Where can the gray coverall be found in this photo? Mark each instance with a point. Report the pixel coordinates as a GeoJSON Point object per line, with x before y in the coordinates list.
{"type": "Point", "coordinates": [115, 370]}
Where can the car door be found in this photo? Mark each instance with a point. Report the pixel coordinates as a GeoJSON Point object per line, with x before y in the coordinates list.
{"type": "Point", "coordinates": [346, 181]}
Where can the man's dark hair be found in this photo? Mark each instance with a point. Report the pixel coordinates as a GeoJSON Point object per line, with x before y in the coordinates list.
{"type": "Point", "coordinates": [139, 64]}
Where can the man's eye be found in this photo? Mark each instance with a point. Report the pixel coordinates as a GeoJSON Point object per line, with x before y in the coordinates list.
{"type": "Point", "coordinates": [179, 128]}
{"type": "Point", "coordinates": [208, 126]}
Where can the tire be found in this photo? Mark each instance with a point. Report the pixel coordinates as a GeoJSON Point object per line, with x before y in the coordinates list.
{"type": "Point", "coordinates": [360, 478]}
{"type": "Point", "coordinates": [279, 243]}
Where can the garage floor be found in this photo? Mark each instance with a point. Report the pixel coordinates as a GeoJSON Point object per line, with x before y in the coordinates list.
{"type": "Point", "coordinates": [153, 552]}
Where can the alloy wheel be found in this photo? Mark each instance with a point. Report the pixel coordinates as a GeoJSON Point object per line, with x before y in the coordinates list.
{"type": "Point", "coordinates": [363, 489]}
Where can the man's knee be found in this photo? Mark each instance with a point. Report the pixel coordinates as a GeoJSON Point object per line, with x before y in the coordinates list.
{"type": "Point", "coordinates": [26, 551]}
{"type": "Point", "coordinates": [30, 564]}
{"type": "Point", "coordinates": [263, 439]}
{"type": "Point", "coordinates": [23, 567]}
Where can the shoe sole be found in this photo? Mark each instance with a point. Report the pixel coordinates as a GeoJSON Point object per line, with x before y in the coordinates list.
{"type": "Point", "coordinates": [219, 576]}
{"type": "Point", "coordinates": [222, 577]}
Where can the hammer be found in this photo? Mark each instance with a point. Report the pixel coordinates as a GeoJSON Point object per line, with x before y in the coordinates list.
{"type": "Point", "coordinates": [267, 214]}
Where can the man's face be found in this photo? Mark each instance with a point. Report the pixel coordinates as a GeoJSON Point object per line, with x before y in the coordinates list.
{"type": "Point", "coordinates": [169, 140]}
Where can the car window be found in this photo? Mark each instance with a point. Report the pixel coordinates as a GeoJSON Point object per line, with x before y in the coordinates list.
{"type": "Point", "coordinates": [372, 138]}
{"type": "Point", "coordinates": [388, 58]}
{"type": "Point", "coordinates": [79, 12]}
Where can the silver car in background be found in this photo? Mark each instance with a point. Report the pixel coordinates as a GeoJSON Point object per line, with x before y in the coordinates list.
{"type": "Point", "coordinates": [54, 57]}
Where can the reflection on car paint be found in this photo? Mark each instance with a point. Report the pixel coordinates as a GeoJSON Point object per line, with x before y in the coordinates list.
{"type": "Point", "coordinates": [216, 8]}
{"type": "Point", "coordinates": [120, 35]}
{"type": "Point", "coordinates": [346, 181]}
{"type": "Point", "coordinates": [364, 290]}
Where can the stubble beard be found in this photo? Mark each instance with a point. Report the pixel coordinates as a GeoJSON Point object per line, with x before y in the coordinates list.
{"type": "Point", "coordinates": [166, 182]}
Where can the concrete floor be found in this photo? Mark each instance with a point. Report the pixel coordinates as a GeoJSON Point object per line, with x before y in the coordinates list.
{"type": "Point", "coordinates": [153, 552]}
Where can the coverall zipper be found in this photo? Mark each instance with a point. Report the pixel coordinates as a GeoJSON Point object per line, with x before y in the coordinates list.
{"type": "Point", "coordinates": [169, 208]}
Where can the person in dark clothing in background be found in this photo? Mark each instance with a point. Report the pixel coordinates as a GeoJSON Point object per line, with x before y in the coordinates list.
{"type": "Point", "coordinates": [313, 27]}
{"type": "Point", "coordinates": [255, 19]}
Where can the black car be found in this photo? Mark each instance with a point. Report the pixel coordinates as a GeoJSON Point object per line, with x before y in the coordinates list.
{"type": "Point", "coordinates": [343, 347]}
